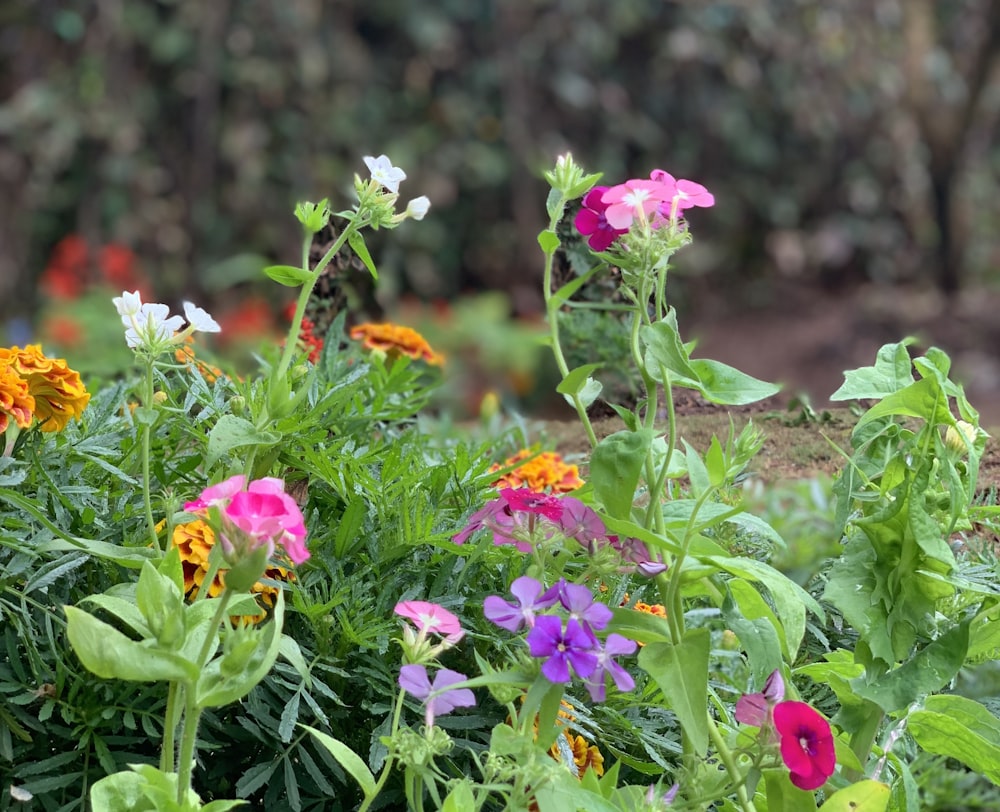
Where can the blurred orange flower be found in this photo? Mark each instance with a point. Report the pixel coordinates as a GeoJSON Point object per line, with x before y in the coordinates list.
{"type": "Point", "coordinates": [545, 472]}
{"type": "Point", "coordinates": [185, 355]}
{"type": "Point", "coordinates": [15, 398]}
{"type": "Point", "coordinates": [395, 340]}
{"type": "Point", "coordinates": [194, 541]}
{"type": "Point", "coordinates": [58, 391]}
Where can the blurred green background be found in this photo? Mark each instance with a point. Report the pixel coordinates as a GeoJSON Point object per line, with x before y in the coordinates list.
{"type": "Point", "coordinates": [848, 142]}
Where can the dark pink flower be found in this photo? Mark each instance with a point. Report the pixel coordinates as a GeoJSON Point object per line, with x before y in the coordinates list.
{"type": "Point", "coordinates": [592, 223]}
{"type": "Point", "coordinates": [525, 500]}
{"type": "Point", "coordinates": [632, 199]}
{"type": "Point", "coordinates": [562, 647]}
{"type": "Point", "coordinates": [580, 522]}
{"type": "Point", "coordinates": [513, 518]}
{"type": "Point", "coordinates": [754, 709]}
{"type": "Point", "coordinates": [806, 743]}
{"type": "Point", "coordinates": [439, 698]}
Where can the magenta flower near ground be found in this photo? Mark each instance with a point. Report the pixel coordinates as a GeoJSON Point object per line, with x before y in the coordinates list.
{"type": "Point", "coordinates": [430, 617]}
{"type": "Point", "coordinates": [631, 199]}
{"type": "Point", "coordinates": [579, 602]}
{"type": "Point", "coordinates": [592, 222]}
{"type": "Point", "coordinates": [217, 494]}
{"type": "Point", "coordinates": [525, 500]}
{"type": "Point", "coordinates": [438, 697]}
{"type": "Point", "coordinates": [614, 646]}
{"type": "Point", "coordinates": [806, 743]}
{"type": "Point", "coordinates": [562, 646]}
{"type": "Point", "coordinates": [513, 512]}
{"type": "Point", "coordinates": [530, 599]}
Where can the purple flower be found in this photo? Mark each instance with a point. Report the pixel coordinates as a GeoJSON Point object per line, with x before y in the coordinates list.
{"type": "Point", "coordinates": [580, 522]}
{"type": "Point", "coordinates": [592, 221]}
{"type": "Point", "coordinates": [439, 698]}
{"type": "Point", "coordinates": [479, 519]}
{"type": "Point", "coordinates": [614, 646]}
{"type": "Point", "coordinates": [579, 602]}
{"type": "Point", "coordinates": [530, 599]}
{"type": "Point", "coordinates": [635, 552]}
{"type": "Point", "coordinates": [563, 647]}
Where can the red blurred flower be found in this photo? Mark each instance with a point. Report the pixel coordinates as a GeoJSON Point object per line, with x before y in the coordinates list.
{"type": "Point", "coordinates": [117, 266]}
{"type": "Point", "coordinates": [65, 275]}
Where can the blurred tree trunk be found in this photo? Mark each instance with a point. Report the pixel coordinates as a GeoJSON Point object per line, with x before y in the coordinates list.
{"type": "Point", "coordinates": [945, 125]}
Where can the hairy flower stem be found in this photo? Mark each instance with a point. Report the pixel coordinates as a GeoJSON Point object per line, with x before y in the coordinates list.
{"type": "Point", "coordinates": [170, 722]}
{"type": "Point", "coordinates": [387, 767]}
{"type": "Point", "coordinates": [726, 756]}
{"type": "Point", "coordinates": [146, 438]}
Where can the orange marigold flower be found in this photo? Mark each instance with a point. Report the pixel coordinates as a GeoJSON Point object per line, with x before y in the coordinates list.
{"type": "Point", "coordinates": [185, 355]}
{"type": "Point", "coordinates": [586, 756]}
{"type": "Point", "coordinates": [650, 609]}
{"type": "Point", "coordinates": [544, 473]}
{"type": "Point", "coordinates": [395, 340]}
{"type": "Point", "coordinates": [194, 541]}
{"type": "Point", "coordinates": [58, 391]}
{"type": "Point", "coordinates": [15, 397]}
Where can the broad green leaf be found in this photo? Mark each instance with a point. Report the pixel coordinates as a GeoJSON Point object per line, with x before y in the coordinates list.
{"type": "Point", "coordinates": [752, 606]}
{"type": "Point", "coordinates": [864, 796]}
{"type": "Point", "coordinates": [577, 378]}
{"type": "Point", "coordinates": [108, 653]}
{"type": "Point", "coordinates": [232, 432]}
{"type": "Point", "coordinates": [120, 792]}
{"type": "Point", "coordinates": [288, 275]}
{"type": "Point", "coordinates": [357, 242]}
{"type": "Point", "coordinates": [562, 792]}
{"type": "Point", "coordinates": [348, 759]}
{"type": "Point", "coordinates": [984, 636]}
{"type": "Point", "coordinates": [548, 240]}
{"type": "Point", "coordinates": [721, 383]}
{"type": "Point", "coordinates": [641, 626]}
{"type": "Point", "coordinates": [961, 729]}
{"type": "Point", "coordinates": [923, 399]}
{"type": "Point", "coordinates": [460, 799]}
{"type": "Point", "coordinates": [783, 796]}
{"type": "Point", "coordinates": [930, 669]}
{"type": "Point", "coordinates": [615, 468]}
{"type": "Point", "coordinates": [664, 347]}
{"type": "Point", "coordinates": [681, 672]}
{"type": "Point", "coordinates": [125, 610]}
{"type": "Point", "coordinates": [891, 372]}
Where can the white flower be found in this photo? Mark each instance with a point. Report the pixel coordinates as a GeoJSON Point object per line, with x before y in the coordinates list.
{"type": "Point", "coordinates": [128, 305]}
{"type": "Point", "coordinates": [200, 320]}
{"type": "Point", "coordinates": [384, 172]}
{"type": "Point", "coordinates": [152, 326]}
{"type": "Point", "coordinates": [417, 208]}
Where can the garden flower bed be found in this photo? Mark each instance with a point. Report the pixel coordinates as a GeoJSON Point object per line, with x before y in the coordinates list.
{"type": "Point", "coordinates": [299, 590]}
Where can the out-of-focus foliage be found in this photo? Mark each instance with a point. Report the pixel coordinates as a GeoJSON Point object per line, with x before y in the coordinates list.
{"type": "Point", "coordinates": [838, 135]}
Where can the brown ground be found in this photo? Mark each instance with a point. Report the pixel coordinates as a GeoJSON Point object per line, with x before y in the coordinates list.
{"type": "Point", "coordinates": [807, 341]}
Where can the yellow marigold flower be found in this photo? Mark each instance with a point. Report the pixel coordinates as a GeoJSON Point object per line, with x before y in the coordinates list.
{"type": "Point", "coordinates": [395, 340]}
{"type": "Point", "coordinates": [58, 391]}
{"type": "Point", "coordinates": [194, 540]}
{"type": "Point", "coordinates": [15, 397]}
{"type": "Point", "coordinates": [586, 756]}
{"type": "Point", "coordinates": [544, 473]}
{"type": "Point", "coordinates": [185, 355]}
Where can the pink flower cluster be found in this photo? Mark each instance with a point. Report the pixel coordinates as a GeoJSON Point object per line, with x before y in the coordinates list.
{"type": "Point", "coordinates": [254, 515]}
{"type": "Point", "coordinates": [803, 735]}
{"type": "Point", "coordinates": [564, 642]}
{"type": "Point", "coordinates": [609, 211]}
{"type": "Point", "coordinates": [523, 517]}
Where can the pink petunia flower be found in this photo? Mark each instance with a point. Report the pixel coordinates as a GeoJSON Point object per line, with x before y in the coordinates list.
{"type": "Point", "coordinates": [438, 697]}
{"type": "Point", "coordinates": [806, 744]}
{"type": "Point", "coordinates": [591, 221]}
{"type": "Point", "coordinates": [430, 617]}
{"type": "Point", "coordinates": [634, 198]}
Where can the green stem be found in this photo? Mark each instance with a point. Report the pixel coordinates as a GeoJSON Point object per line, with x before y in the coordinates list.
{"type": "Point", "coordinates": [387, 767]}
{"type": "Point", "coordinates": [726, 756]}
{"type": "Point", "coordinates": [146, 437]}
{"type": "Point", "coordinates": [170, 721]}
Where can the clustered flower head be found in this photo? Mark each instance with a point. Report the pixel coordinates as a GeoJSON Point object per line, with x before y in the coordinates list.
{"type": "Point", "coordinates": [253, 515]}
{"type": "Point", "coordinates": [395, 340]}
{"type": "Point", "coordinates": [562, 624]}
{"type": "Point", "coordinates": [380, 205]}
{"type": "Point", "coordinates": [609, 212]}
{"type": "Point", "coordinates": [151, 328]}
{"type": "Point", "coordinates": [34, 386]}
{"type": "Point", "coordinates": [194, 541]}
{"type": "Point", "coordinates": [543, 472]}
{"type": "Point", "coordinates": [804, 736]}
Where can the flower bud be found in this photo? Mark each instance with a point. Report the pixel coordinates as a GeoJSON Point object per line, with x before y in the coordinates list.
{"type": "Point", "coordinates": [955, 437]}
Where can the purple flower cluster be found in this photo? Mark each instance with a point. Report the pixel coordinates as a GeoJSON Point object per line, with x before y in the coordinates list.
{"type": "Point", "coordinates": [566, 638]}
{"type": "Point", "coordinates": [523, 517]}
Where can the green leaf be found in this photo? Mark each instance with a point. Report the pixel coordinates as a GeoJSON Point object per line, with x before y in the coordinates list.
{"type": "Point", "coordinates": [120, 792]}
{"type": "Point", "coordinates": [615, 467]}
{"type": "Point", "coordinates": [984, 636]}
{"type": "Point", "coordinates": [357, 242]}
{"type": "Point", "coordinates": [864, 796]}
{"type": "Point", "coordinates": [108, 653]}
{"type": "Point", "coordinates": [764, 645]}
{"type": "Point", "coordinates": [681, 672]}
{"type": "Point", "coordinates": [961, 729]}
{"type": "Point", "coordinates": [232, 432]}
{"type": "Point", "coordinates": [548, 241]}
{"type": "Point", "coordinates": [641, 626]}
{"type": "Point", "coordinates": [347, 759]}
{"type": "Point", "coordinates": [723, 384]}
{"type": "Point", "coordinates": [930, 669]}
{"type": "Point", "coordinates": [289, 275]}
{"type": "Point", "coordinates": [783, 796]}
{"type": "Point", "coordinates": [578, 382]}
{"type": "Point", "coordinates": [923, 399]}
{"type": "Point", "coordinates": [461, 798]}
{"type": "Point", "coordinates": [664, 346]}
{"type": "Point", "coordinates": [892, 372]}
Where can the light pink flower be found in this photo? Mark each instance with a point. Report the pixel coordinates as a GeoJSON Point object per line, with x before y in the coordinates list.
{"type": "Point", "coordinates": [633, 198]}
{"type": "Point", "coordinates": [690, 194]}
{"type": "Point", "coordinates": [430, 617]}
{"type": "Point", "coordinates": [217, 494]}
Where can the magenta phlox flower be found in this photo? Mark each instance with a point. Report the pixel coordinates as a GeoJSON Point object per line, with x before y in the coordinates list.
{"type": "Point", "coordinates": [530, 599]}
{"type": "Point", "coordinates": [690, 194]}
{"type": "Point", "coordinates": [562, 646]}
{"type": "Point", "coordinates": [634, 198]}
{"type": "Point", "coordinates": [806, 743]}
{"type": "Point", "coordinates": [579, 602]}
{"type": "Point", "coordinates": [217, 494]}
{"type": "Point", "coordinates": [431, 618]}
{"type": "Point", "coordinates": [614, 646]}
{"type": "Point", "coordinates": [525, 500]}
{"type": "Point", "coordinates": [439, 698]}
{"type": "Point", "coordinates": [592, 222]}
{"type": "Point", "coordinates": [512, 517]}
{"type": "Point", "coordinates": [579, 521]}
{"type": "Point", "coordinates": [755, 709]}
